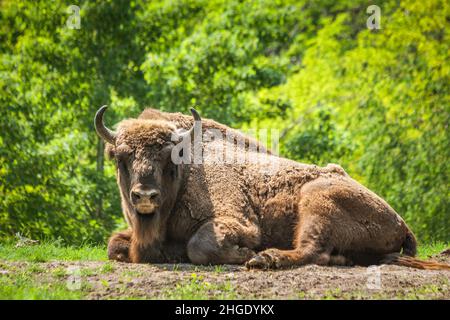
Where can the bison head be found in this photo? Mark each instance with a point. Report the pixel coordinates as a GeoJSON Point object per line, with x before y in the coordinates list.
{"type": "Point", "coordinates": [143, 149]}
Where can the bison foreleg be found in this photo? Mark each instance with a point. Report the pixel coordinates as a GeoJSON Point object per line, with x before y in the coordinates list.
{"type": "Point", "coordinates": [276, 259]}
{"type": "Point", "coordinates": [223, 242]}
{"type": "Point", "coordinates": [158, 252]}
{"type": "Point", "coordinates": [119, 245]}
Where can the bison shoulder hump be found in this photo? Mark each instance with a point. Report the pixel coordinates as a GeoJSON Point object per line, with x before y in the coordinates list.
{"type": "Point", "coordinates": [335, 168]}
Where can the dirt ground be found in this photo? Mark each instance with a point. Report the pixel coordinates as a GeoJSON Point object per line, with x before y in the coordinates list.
{"type": "Point", "coordinates": [111, 280]}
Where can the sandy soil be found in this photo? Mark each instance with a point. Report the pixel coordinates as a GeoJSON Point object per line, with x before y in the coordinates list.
{"type": "Point", "coordinates": [111, 280]}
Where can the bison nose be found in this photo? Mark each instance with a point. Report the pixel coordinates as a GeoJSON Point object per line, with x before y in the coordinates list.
{"type": "Point", "coordinates": [140, 195]}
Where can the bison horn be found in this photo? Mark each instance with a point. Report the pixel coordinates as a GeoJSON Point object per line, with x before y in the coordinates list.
{"type": "Point", "coordinates": [191, 131]}
{"type": "Point", "coordinates": [102, 131]}
{"type": "Point", "coordinates": [195, 115]}
{"type": "Point", "coordinates": [197, 122]}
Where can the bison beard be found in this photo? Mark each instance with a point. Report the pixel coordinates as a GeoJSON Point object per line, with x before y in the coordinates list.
{"type": "Point", "coordinates": [145, 243]}
{"type": "Point", "coordinates": [264, 217]}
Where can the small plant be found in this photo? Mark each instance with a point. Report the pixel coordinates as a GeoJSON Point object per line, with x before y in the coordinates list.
{"type": "Point", "coordinates": [332, 294]}
{"type": "Point", "coordinates": [218, 268]}
{"type": "Point", "coordinates": [35, 268]}
{"type": "Point", "coordinates": [107, 267]}
{"type": "Point", "coordinates": [59, 272]}
{"type": "Point", "coordinates": [197, 288]}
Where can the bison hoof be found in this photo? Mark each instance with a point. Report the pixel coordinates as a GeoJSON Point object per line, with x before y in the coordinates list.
{"type": "Point", "coordinates": [268, 259]}
{"type": "Point", "coordinates": [120, 257]}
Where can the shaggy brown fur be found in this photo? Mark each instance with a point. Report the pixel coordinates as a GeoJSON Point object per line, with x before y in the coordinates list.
{"type": "Point", "coordinates": [183, 121]}
{"type": "Point", "coordinates": [263, 216]}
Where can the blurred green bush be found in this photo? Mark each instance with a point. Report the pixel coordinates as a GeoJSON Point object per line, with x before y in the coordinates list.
{"type": "Point", "coordinates": [377, 102]}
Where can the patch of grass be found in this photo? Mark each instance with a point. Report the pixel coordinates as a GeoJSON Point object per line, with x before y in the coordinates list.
{"type": "Point", "coordinates": [422, 293]}
{"type": "Point", "coordinates": [125, 297]}
{"type": "Point", "coordinates": [425, 292]}
{"type": "Point", "coordinates": [424, 251]}
{"type": "Point", "coordinates": [35, 268]}
{"type": "Point", "coordinates": [107, 267]}
{"type": "Point", "coordinates": [175, 267]}
{"type": "Point", "coordinates": [25, 286]}
{"type": "Point", "coordinates": [88, 272]}
{"type": "Point", "coordinates": [429, 291]}
{"type": "Point", "coordinates": [218, 268]}
{"type": "Point", "coordinates": [104, 283]}
{"type": "Point", "coordinates": [198, 289]}
{"type": "Point", "coordinates": [131, 273]}
{"type": "Point", "coordinates": [49, 251]}
{"type": "Point", "coordinates": [332, 294]}
{"type": "Point", "coordinates": [59, 272]}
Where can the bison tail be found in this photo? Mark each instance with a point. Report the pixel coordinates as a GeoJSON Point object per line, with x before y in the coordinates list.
{"type": "Point", "coordinates": [406, 261]}
{"type": "Point", "coordinates": [409, 245]}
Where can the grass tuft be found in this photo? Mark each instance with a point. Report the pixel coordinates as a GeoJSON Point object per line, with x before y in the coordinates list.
{"type": "Point", "coordinates": [196, 288]}
{"type": "Point", "coordinates": [49, 251]}
{"type": "Point", "coordinates": [426, 251]}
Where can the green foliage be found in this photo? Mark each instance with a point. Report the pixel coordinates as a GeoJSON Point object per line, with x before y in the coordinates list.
{"type": "Point", "coordinates": [376, 102]}
{"type": "Point", "coordinates": [390, 90]}
{"type": "Point", "coordinates": [316, 139]}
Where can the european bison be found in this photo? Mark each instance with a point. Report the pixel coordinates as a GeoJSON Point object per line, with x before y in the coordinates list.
{"type": "Point", "coordinates": [266, 211]}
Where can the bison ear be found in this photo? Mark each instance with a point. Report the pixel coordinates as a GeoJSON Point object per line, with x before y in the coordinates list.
{"type": "Point", "coordinates": [110, 151]}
